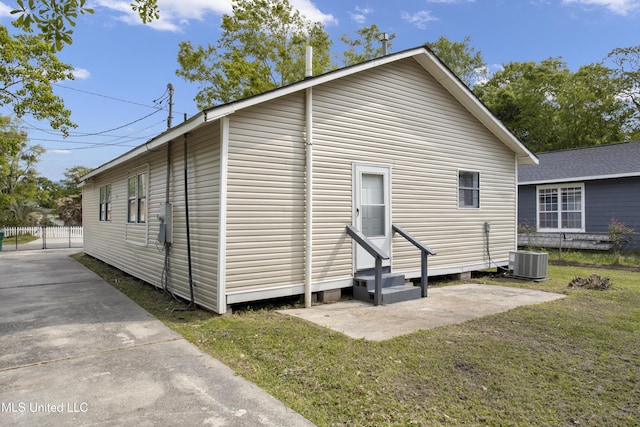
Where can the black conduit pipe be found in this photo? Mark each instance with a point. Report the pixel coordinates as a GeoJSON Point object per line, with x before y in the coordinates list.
{"type": "Point", "coordinates": [186, 211]}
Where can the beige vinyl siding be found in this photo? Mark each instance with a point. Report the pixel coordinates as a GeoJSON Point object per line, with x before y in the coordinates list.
{"type": "Point", "coordinates": [265, 196]}
{"type": "Point", "coordinates": [398, 115]}
{"type": "Point", "coordinates": [112, 242]}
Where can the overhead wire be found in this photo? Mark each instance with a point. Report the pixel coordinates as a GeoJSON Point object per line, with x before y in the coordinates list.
{"type": "Point", "coordinates": [157, 107]}
{"type": "Point", "coordinates": [113, 98]}
{"type": "Point", "coordinates": [111, 143]}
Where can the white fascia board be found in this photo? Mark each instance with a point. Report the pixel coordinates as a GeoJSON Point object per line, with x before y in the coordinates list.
{"type": "Point", "coordinates": [459, 91]}
{"type": "Point", "coordinates": [171, 134]}
{"type": "Point", "coordinates": [580, 178]}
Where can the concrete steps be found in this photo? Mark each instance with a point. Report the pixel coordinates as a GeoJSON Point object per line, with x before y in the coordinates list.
{"type": "Point", "coordinates": [394, 288]}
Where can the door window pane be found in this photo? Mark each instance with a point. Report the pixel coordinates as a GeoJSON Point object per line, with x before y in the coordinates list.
{"type": "Point", "coordinates": [373, 208]}
{"type": "Point", "coordinates": [373, 220]}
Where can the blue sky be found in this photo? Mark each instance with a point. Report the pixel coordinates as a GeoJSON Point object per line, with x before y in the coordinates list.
{"type": "Point", "coordinates": [122, 66]}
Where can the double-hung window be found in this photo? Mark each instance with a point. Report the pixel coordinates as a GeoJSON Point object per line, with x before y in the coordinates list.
{"type": "Point", "coordinates": [137, 198]}
{"type": "Point", "coordinates": [468, 189]}
{"type": "Point", "coordinates": [105, 203]}
{"type": "Point", "coordinates": [561, 208]}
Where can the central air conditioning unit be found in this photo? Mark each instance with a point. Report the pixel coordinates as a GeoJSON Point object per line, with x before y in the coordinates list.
{"type": "Point", "coordinates": [530, 265]}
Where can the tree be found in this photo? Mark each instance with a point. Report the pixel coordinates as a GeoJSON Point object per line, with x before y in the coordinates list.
{"type": "Point", "coordinates": [21, 212]}
{"type": "Point", "coordinates": [29, 68]}
{"type": "Point", "coordinates": [69, 209]}
{"type": "Point", "coordinates": [29, 62]}
{"type": "Point", "coordinates": [462, 59]}
{"type": "Point", "coordinates": [627, 71]}
{"type": "Point", "coordinates": [47, 192]}
{"type": "Point", "coordinates": [550, 108]}
{"type": "Point", "coordinates": [262, 47]}
{"type": "Point", "coordinates": [521, 95]}
{"type": "Point", "coordinates": [17, 165]}
{"type": "Point", "coordinates": [589, 110]}
{"type": "Point", "coordinates": [366, 47]}
{"type": "Point", "coordinates": [55, 19]}
{"type": "Point", "coordinates": [72, 179]}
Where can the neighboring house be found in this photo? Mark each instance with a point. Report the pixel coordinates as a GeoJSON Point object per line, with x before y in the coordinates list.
{"type": "Point", "coordinates": [572, 196]}
{"type": "Point", "coordinates": [260, 207]}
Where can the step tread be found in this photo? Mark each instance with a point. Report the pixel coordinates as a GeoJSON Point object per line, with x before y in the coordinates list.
{"type": "Point", "coordinates": [373, 277]}
{"type": "Point", "coordinates": [397, 289]}
{"type": "Point", "coordinates": [388, 280]}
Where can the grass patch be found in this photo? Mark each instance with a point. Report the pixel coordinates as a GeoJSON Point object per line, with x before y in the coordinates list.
{"type": "Point", "coordinates": [574, 361]}
{"type": "Point", "coordinates": [22, 238]}
{"type": "Point", "coordinates": [600, 258]}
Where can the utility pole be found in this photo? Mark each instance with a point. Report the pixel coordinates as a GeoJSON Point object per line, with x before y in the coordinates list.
{"type": "Point", "coordinates": [170, 87]}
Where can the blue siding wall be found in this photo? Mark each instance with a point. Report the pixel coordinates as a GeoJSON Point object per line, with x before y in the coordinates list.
{"type": "Point", "coordinates": [527, 206]}
{"type": "Point", "coordinates": [612, 198]}
{"type": "Point", "coordinates": [605, 199]}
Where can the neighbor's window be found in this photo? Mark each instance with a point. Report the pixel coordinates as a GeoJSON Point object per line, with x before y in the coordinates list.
{"type": "Point", "coordinates": [105, 203]}
{"type": "Point", "coordinates": [468, 189]}
{"type": "Point", "coordinates": [561, 208]}
{"type": "Point", "coordinates": [137, 193]}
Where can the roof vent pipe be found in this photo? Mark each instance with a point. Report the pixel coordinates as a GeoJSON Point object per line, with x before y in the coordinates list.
{"type": "Point", "coordinates": [308, 71]}
{"type": "Point", "coordinates": [384, 38]}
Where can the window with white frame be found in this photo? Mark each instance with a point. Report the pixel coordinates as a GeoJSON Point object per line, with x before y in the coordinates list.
{"type": "Point", "coordinates": [468, 189]}
{"type": "Point", "coordinates": [105, 203]}
{"type": "Point", "coordinates": [561, 208]}
{"type": "Point", "coordinates": [137, 198]}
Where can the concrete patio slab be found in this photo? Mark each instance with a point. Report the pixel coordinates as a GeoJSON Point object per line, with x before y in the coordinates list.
{"type": "Point", "coordinates": [444, 306]}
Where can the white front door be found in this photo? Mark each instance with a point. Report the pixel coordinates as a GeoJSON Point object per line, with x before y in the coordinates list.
{"type": "Point", "coordinates": [372, 211]}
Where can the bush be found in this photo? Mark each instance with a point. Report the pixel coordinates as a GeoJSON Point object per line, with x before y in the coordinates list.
{"type": "Point", "coordinates": [620, 237]}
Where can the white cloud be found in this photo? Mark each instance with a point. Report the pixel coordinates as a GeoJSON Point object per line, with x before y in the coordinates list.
{"type": "Point", "coordinates": [64, 152]}
{"type": "Point", "coordinates": [620, 7]}
{"type": "Point", "coordinates": [360, 14]}
{"type": "Point", "coordinates": [81, 73]}
{"type": "Point", "coordinates": [419, 19]}
{"type": "Point", "coordinates": [5, 11]}
{"type": "Point", "coordinates": [310, 11]}
{"type": "Point", "coordinates": [175, 14]}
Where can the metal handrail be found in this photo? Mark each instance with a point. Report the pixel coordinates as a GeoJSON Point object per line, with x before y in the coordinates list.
{"type": "Point", "coordinates": [425, 251]}
{"type": "Point", "coordinates": [415, 242]}
{"type": "Point", "coordinates": [375, 252]}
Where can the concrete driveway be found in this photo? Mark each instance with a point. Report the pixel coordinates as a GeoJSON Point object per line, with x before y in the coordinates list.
{"type": "Point", "coordinates": [75, 351]}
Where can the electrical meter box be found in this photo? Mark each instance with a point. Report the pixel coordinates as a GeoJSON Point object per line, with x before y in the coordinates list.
{"type": "Point", "coordinates": [165, 233]}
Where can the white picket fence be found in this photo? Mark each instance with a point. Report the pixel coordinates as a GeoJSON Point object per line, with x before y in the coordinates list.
{"type": "Point", "coordinates": [38, 231]}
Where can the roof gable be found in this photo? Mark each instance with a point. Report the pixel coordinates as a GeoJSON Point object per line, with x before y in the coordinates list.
{"type": "Point", "coordinates": [424, 56]}
{"type": "Point", "coordinates": [583, 164]}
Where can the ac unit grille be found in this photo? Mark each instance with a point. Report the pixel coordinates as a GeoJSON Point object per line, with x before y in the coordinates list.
{"type": "Point", "coordinates": [530, 265]}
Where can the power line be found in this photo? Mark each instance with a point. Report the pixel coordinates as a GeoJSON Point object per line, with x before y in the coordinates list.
{"type": "Point", "coordinates": [156, 101]}
{"type": "Point", "coordinates": [111, 143]}
{"type": "Point", "coordinates": [119, 127]}
{"type": "Point", "coordinates": [97, 146]}
{"type": "Point", "coordinates": [101, 133]}
{"type": "Point", "coordinates": [113, 98]}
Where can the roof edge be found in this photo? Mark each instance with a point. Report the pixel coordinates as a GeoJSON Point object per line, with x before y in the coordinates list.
{"type": "Point", "coordinates": [580, 178]}
{"type": "Point", "coordinates": [169, 135]}
{"type": "Point", "coordinates": [422, 54]}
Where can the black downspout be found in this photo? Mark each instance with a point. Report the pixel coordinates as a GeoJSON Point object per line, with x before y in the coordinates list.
{"type": "Point", "coordinates": [186, 211]}
{"type": "Point", "coordinates": [167, 245]}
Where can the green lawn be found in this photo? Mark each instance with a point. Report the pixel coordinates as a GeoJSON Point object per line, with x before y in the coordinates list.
{"type": "Point", "coordinates": [574, 361]}
{"type": "Point", "coordinates": [22, 238]}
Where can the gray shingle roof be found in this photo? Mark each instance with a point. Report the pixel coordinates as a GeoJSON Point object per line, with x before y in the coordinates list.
{"type": "Point", "coordinates": [581, 164]}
